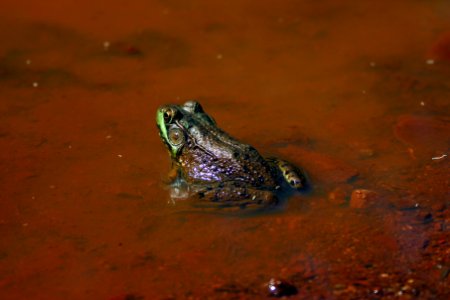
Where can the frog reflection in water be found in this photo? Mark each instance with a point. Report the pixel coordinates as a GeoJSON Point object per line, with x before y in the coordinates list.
{"type": "Point", "coordinates": [222, 171]}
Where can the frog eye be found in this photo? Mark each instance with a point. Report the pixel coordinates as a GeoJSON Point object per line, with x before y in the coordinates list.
{"type": "Point", "coordinates": [176, 136]}
{"type": "Point", "coordinates": [168, 114]}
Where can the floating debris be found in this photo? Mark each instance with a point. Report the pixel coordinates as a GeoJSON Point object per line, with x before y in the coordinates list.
{"type": "Point", "coordinates": [106, 45]}
{"type": "Point", "coordinates": [439, 157]}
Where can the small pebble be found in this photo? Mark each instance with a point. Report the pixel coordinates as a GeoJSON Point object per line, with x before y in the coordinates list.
{"type": "Point", "coordinates": [35, 84]}
{"type": "Point", "coordinates": [280, 288]}
{"type": "Point", "coordinates": [377, 291]}
{"type": "Point", "coordinates": [430, 61]}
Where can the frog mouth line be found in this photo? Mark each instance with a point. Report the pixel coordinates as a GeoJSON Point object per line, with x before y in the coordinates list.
{"type": "Point", "coordinates": [163, 133]}
{"type": "Point", "coordinates": [161, 124]}
{"type": "Point", "coordinates": [160, 132]}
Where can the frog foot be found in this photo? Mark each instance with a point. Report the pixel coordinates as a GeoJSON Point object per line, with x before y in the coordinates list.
{"type": "Point", "coordinates": [232, 196]}
{"type": "Point", "coordinates": [294, 176]}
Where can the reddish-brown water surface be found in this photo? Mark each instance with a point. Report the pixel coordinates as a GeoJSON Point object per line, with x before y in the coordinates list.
{"type": "Point", "coordinates": [356, 92]}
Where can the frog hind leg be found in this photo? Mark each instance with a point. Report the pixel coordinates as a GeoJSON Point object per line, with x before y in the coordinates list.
{"type": "Point", "coordinates": [229, 196]}
{"type": "Point", "coordinates": [293, 175]}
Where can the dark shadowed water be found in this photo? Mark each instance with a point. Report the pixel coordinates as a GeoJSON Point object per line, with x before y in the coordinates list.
{"type": "Point", "coordinates": [356, 92]}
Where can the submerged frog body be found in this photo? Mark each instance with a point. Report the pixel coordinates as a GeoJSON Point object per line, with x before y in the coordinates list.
{"type": "Point", "coordinates": [222, 171]}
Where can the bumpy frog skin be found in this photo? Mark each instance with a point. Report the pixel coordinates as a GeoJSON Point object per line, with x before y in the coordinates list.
{"type": "Point", "coordinates": [222, 171]}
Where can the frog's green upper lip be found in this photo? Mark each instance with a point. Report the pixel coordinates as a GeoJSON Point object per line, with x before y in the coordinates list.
{"type": "Point", "coordinates": [161, 124]}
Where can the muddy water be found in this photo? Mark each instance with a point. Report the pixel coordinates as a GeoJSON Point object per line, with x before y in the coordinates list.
{"type": "Point", "coordinates": [356, 93]}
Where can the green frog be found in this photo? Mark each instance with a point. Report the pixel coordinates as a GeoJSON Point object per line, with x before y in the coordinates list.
{"type": "Point", "coordinates": [219, 169]}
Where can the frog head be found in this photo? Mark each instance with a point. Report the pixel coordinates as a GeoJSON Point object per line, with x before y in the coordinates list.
{"type": "Point", "coordinates": [183, 126]}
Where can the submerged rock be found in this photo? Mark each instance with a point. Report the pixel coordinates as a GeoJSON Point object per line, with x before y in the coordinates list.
{"type": "Point", "coordinates": [362, 198]}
